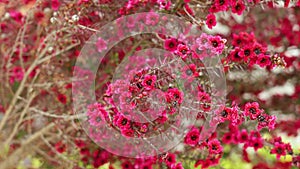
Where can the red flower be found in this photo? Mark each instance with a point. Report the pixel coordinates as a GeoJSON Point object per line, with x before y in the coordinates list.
{"type": "Point", "coordinates": [55, 4]}
{"type": "Point", "coordinates": [174, 96]}
{"type": "Point", "coordinates": [122, 122]}
{"type": "Point", "coordinates": [149, 82]}
{"type": "Point", "coordinates": [171, 44]}
{"type": "Point", "coordinates": [215, 147]}
{"type": "Point", "coordinates": [279, 150]}
{"type": "Point", "coordinates": [263, 60]}
{"type": "Point", "coordinates": [243, 136]}
{"type": "Point", "coordinates": [234, 55]}
{"type": "Point", "coordinates": [183, 51]}
{"type": "Point", "coordinates": [252, 110]}
{"type": "Point", "coordinates": [101, 45]}
{"type": "Point", "coordinates": [152, 18]}
{"type": "Point", "coordinates": [256, 143]}
{"type": "Point", "coordinates": [192, 137]}
{"type": "Point", "coordinates": [227, 138]}
{"type": "Point", "coordinates": [238, 7]}
{"type": "Point", "coordinates": [127, 165]}
{"type": "Point", "coordinates": [211, 21]}
{"type": "Point", "coordinates": [62, 98]}
{"type": "Point", "coordinates": [60, 147]}
{"type": "Point", "coordinates": [177, 166]}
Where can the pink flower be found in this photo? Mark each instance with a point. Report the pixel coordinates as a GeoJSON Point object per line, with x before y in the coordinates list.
{"type": "Point", "coordinates": [17, 74]}
{"type": "Point", "coordinates": [238, 7]}
{"type": "Point", "coordinates": [128, 132]}
{"type": "Point", "coordinates": [127, 165]}
{"type": "Point", "coordinates": [171, 44]}
{"type": "Point", "coordinates": [214, 147]}
{"type": "Point", "coordinates": [174, 95]}
{"type": "Point", "coordinates": [190, 72]}
{"type": "Point", "coordinates": [211, 21]}
{"type": "Point", "coordinates": [279, 150]}
{"type": "Point", "coordinates": [246, 53]}
{"type": "Point", "coordinates": [217, 44]}
{"type": "Point", "coordinates": [170, 159]}
{"type": "Point", "coordinates": [234, 55]}
{"type": "Point", "coordinates": [227, 138]}
{"type": "Point", "coordinates": [101, 45]}
{"type": "Point", "coordinates": [192, 137]}
{"type": "Point", "coordinates": [152, 18]}
{"type": "Point", "coordinates": [164, 4]}
{"type": "Point", "coordinates": [252, 110]}
{"type": "Point", "coordinates": [149, 82]}
{"type": "Point", "coordinates": [122, 122]}
{"type": "Point", "coordinates": [183, 51]}
{"type": "Point", "coordinates": [16, 15]}
{"type": "Point", "coordinates": [55, 4]}
{"type": "Point", "coordinates": [202, 41]}
{"type": "Point", "coordinates": [256, 143]}
{"type": "Point", "coordinates": [265, 120]}
{"type": "Point", "coordinates": [222, 5]}
{"type": "Point", "coordinates": [96, 114]}
{"type": "Point", "coordinates": [177, 166]}
{"type": "Point", "coordinates": [263, 60]}
{"type": "Point", "coordinates": [243, 136]}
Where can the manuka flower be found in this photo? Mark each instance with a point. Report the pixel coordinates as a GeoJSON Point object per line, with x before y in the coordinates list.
{"type": "Point", "coordinates": [174, 96]}
{"type": "Point", "coordinates": [238, 7]}
{"type": "Point", "coordinates": [215, 147]}
{"type": "Point", "coordinates": [263, 60]}
{"type": "Point", "coordinates": [192, 137]}
{"type": "Point", "coordinates": [252, 110]}
{"type": "Point", "coordinates": [96, 114]}
{"type": "Point", "coordinates": [211, 21]}
{"type": "Point", "coordinates": [183, 51]}
{"type": "Point", "coordinates": [279, 150]}
{"type": "Point", "coordinates": [149, 82]}
{"type": "Point", "coordinates": [101, 45]}
{"type": "Point", "coordinates": [190, 72]}
{"type": "Point", "coordinates": [171, 44]}
{"type": "Point", "coordinates": [217, 44]}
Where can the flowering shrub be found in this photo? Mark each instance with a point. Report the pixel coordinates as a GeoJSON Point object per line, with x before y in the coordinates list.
{"type": "Point", "coordinates": [157, 99]}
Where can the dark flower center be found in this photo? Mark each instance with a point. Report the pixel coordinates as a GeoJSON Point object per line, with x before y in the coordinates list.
{"type": "Point", "coordinates": [224, 113]}
{"type": "Point", "coordinates": [124, 122]}
{"type": "Point", "coordinates": [194, 137]}
{"type": "Point", "coordinates": [236, 55]}
{"type": "Point", "coordinates": [279, 151]}
{"type": "Point", "coordinates": [171, 45]}
{"type": "Point", "coordinates": [214, 147]}
{"type": "Point", "coordinates": [149, 82]}
{"type": "Point", "coordinates": [176, 96]}
{"type": "Point", "coordinates": [215, 44]}
{"type": "Point", "coordinates": [174, 103]}
{"type": "Point", "coordinates": [238, 7]}
{"type": "Point", "coordinates": [263, 60]}
{"type": "Point", "coordinates": [257, 51]}
{"type": "Point", "coordinates": [221, 2]}
{"type": "Point", "coordinates": [183, 51]}
{"type": "Point", "coordinates": [198, 51]}
{"type": "Point", "coordinates": [189, 72]}
{"type": "Point", "coordinates": [247, 52]}
{"type": "Point", "coordinates": [252, 110]}
{"type": "Point", "coordinates": [139, 85]}
{"type": "Point", "coordinates": [98, 119]}
{"type": "Point", "coordinates": [261, 118]}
